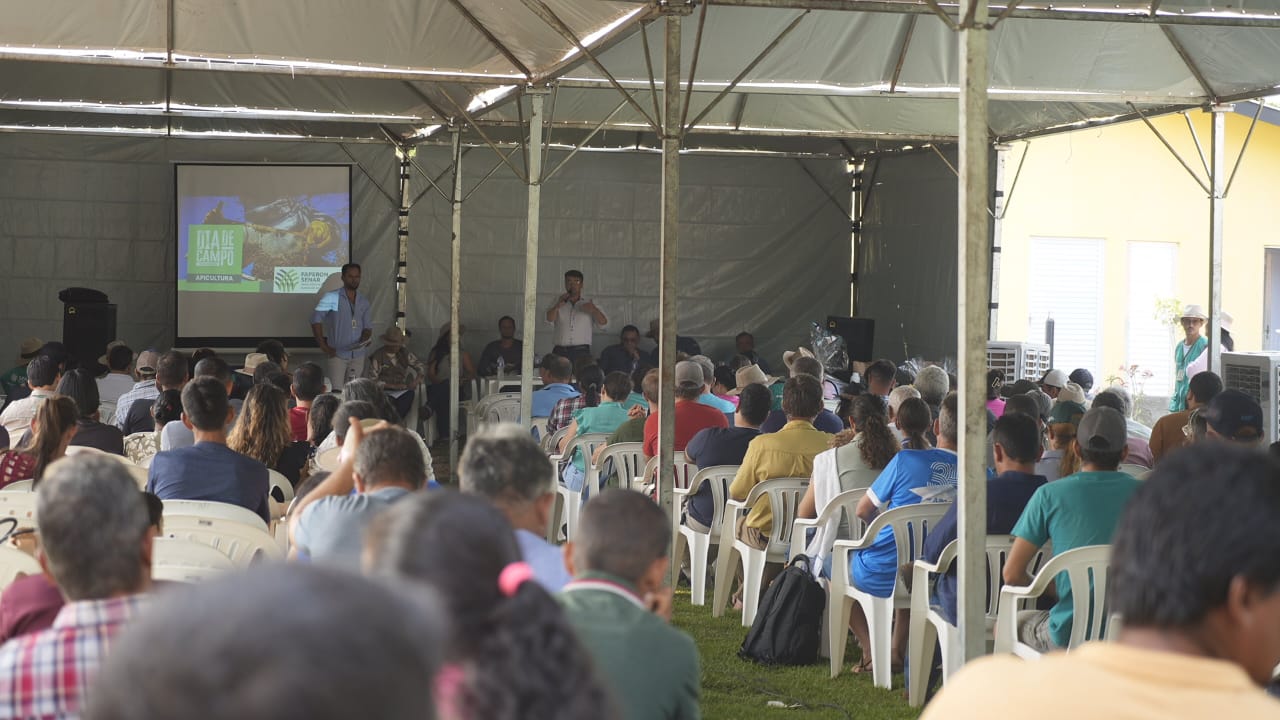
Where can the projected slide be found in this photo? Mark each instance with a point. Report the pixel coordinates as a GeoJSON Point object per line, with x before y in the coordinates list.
{"type": "Point", "coordinates": [276, 233]}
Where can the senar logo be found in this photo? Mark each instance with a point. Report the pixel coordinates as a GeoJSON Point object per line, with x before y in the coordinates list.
{"type": "Point", "coordinates": [286, 280]}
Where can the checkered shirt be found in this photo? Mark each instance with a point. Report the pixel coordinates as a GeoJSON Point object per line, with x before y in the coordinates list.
{"type": "Point", "coordinates": [45, 674]}
{"type": "Point", "coordinates": [562, 413]}
{"type": "Point", "coordinates": [145, 390]}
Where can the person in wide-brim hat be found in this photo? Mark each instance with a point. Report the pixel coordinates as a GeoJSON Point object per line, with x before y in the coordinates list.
{"type": "Point", "coordinates": [751, 374]}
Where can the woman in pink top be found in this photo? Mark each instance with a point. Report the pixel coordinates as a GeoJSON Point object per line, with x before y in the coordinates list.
{"type": "Point", "coordinates": [995, 403]}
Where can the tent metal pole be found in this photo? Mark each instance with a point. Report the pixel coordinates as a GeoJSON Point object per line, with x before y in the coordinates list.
{"type": "Point", "coordinates": [1195, 136]}
{"type": "Point", "coordinates": [667, 315]}
{"type": "Point", "coordinates": [402, 237]}
{"type": "Point", "coordinates": [536, 97]}
{"type": "Point", "coordinates": [974, 288]}
{"type": "Point", "coordinates": [455, 296]}
{"type": "Point", "coordinates": [1000, 200]}
{"type": "Point", "coordinates": [1248, 137]}
{"type": "Point", "coordinates": [586, 140]}
{"type": "Point", "coordinates": [1217, 203]}
{"type": "Point", "coordinates": [1175, 154]}
{"type": "Point", "coordinates": [483, 135]}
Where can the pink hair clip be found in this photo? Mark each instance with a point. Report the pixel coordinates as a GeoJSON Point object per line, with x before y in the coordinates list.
{"type": "Point", "coordinates": [513, 576]}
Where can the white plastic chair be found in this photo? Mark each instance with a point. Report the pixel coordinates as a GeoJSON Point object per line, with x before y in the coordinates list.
{"type": "Point", "coordinates": [682, 473]}
{"type": "Point", "coordinates": [21, 505]}
{"type": "Point", "coordinates": [1135, 470]}
{"type": "Point", "coordinates": [503, 409]}
{"type": "Point", "coordinates": [783, 496]}
{"type": "Point", "coordinates": [213, 510]}
{"type": "Point", "coordinates": [910, 525]}
{"type": "Point", "coordinates": [242, 543]}
{"type": "Point", "coordinates": [14, 564]}
{"type": "Point", "coordinates": [928, 626]}
{"type": "Point", "coordinates": [627, 459]}
{"type": "Point", "coordinates": [186, 561]}
{"type": "Point", "coordinates": [551, 441]}
{"type": "Point", "coordinates": [717, 477]}
{"type": "Point", "coordinates": [1087, 569]}
{"type": "Point", "coordinates": [278, 480]}
{"type": "Point", "coordinates": [571, 500]}
{"type": "Point", "coordinates": [843, 506]}
{"type": "Point", "coordinates": [19, 486]}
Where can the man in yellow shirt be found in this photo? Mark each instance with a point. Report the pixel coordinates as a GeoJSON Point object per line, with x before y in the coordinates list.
{"type": "Point", "coordinates": [786, 453]}
{"type": "Point", "coordinates": [1199, 594]}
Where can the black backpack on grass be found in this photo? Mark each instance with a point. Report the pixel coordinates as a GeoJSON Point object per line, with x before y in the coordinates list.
{"type": "Point", "coordinates": [788, 625]}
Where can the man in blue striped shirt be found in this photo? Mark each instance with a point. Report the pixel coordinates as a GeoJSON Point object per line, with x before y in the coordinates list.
{"type": "Point", "coordinates": [342, 328]}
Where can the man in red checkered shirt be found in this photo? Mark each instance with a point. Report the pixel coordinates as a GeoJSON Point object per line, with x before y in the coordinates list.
{"type": "Point", "coordinates": [96, 543]}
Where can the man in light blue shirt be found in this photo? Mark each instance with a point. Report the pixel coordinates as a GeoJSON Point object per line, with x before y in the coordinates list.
{"type": "Point", "coordinates": [342, 328]}
{"type": "Point", "coordinates": [556, 373]}
{"type": "Point", "coordinates": [505, 466]}
{"type": "Point", "coordinates": [709, 378]}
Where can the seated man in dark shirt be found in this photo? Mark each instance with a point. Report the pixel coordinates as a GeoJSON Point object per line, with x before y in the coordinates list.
{"type": "Point", "coordinates": [826, 421]}
{"type": "Point", "coordinates": [505, 348]}
{"type": "Point", "coordinates": [725, 446]}
{"type": "Point", "coordinates": [625, 356]}
{"type": "Point", "coordinates": [172, 372]}
{"type": "Point", "coordinates": [209, 470]}
{"type": "Point", "coordinates": [1017, 445]}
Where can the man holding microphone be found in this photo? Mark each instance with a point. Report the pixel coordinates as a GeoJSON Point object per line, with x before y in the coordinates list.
{"type": "Point", "coordinates": [574, 318]}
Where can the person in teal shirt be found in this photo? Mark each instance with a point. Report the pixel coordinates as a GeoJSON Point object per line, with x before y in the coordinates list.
{"type": "Point", "coordinates": [1078, 510]}
{"type": "Point", "coordinates": [603, 418]}
{"type": "Point", "coordinates": [1188, 356]}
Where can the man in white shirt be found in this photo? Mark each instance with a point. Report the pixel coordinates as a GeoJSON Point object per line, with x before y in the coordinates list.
{"type": "Point", "coordinates": [42, 377]}
{"type": "Point", "coordinates": [575, 318]}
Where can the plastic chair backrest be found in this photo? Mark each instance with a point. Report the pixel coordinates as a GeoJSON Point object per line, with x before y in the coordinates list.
{"type": "Point", "coordinates": [173, 551]}
{"type": "Point", "coordinates": [911, 522]}
{"type": "Point", "coordinates": [718, 477]}
{"type": "Point", "coordinates": [684, 471]}
{"type": "Point", "coordinates": [552, 440]}
{"type": "Point", "coordinates": [587, 443]}
{"type": "Point", "coordinates": [21, 505]}
{"type": "Point", "coordinates": [14, 562]}
{"type": "Point", "coordinates": [1087, 568]}
{"type": "Point", "coordinates": [214, 510]}
{"type": "Point", "coordinates": [625, 458]}
{"type": "Point", "coordinates": [278, 480]}
{"type": "Point", "coordinates": [20, 486]}
{"type": "Point", "coordinates": [504, 409]}
{"type": "Point", "coordinates": [242, 543]}
{"type": "Point", "coordinates": [839, 510]}
{"type": "Point", "coordinates": [784, 496]}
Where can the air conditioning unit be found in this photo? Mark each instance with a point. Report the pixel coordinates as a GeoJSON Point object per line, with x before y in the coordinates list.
{"type": "Point", "coordinates": [1256, 374]}
{"type": "Point", "coordinates": [1018, 361]}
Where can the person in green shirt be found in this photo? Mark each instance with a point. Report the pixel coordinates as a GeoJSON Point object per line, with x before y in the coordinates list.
{"type": "Point", "coordinates": [620, 607]}
{"type": "Point", "coordinates": [603, 418]}
{"type": "Point", "coordinates": [16, 379]}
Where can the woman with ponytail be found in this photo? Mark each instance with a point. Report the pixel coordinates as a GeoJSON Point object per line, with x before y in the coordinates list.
{"type": "Point", "coordinates": [51, 431]}
{"type": "Point", "coordinates": [854, 461]}
{"type": "Point", "coordinates": [511, 654]}
{"type": "Point", "coordinates": [1060, 459]}
{"type": "Point", "coordinates": [591, 384]}
{"type": "Point", "coordinates": [914, 420]}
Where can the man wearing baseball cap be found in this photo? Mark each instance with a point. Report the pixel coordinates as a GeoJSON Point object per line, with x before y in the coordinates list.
{"type": "Point", "coordinates": [1189, 356]}
{"type": "Point", "coordinates": [1235, 417]}
{"type": "Point", "coordinates": [1078, 510]}
{"type": "Point", "coordinates": [145, 389]}
{"type": "Point", "coordinates": [1053, 382]}
{"type": "Point", "coordinates": [691, 415]}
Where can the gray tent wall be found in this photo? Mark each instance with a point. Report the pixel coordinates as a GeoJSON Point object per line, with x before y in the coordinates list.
{"type": "Point", "coordinates": [764, 247]}
{"type": "Point", "coordinates": [98, 212]}
{"type": "Point", "coordinates": [907, 263]}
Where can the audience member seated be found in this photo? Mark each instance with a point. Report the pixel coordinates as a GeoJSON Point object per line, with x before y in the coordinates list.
{"type": "Point", "coordinates": [1139, 449]}
{"type": "Point", "coordinates": [691, 416]}
{"type": "Point", "coordinates": [511, 651]}
{"type": "Point", "coordinates": [13, 384]}
{"type": "Point", "coordinates": [95, 541]}
{"type": "Point", "coordinates": [396, 369]}
{"type": "Point", "coordinates": [1078, 510]}
{"type": "Point", "coordinates": [364, 390]}
{"type": "Point", "coordinates": [605, 417]}
{"type": "Point", "coordinates": [829, 388]}
{"type": "Point", "coordinates": [381, 468]}
{"type": "Point", "coordinates": [620, 606]}
{"type": "Point", "coordinates": [880, 378]}
{"type": "Point", "coordinates": [82, 387]}
{"type": "Point", "coordinates": [1053, 382]}
{"type": "Point", "coordinates": [1016, 444]}
{"type": "Point", "coordinates": [914, 422]}
{"type": "Point", "coordinates": [1169, 432]}
{"type": "Point", "coordinates": [632, 430]}
{"type": "Point", "coordinates": [42, 378]}
{"type": "Point", "coordinates": [684, 344]}
{"type": "Point", "coordinates": [52, 431]}
{"type": "Point", "coordinates": [724, 446]}
{"type": "Point", "coordinates": [787, 453]}
{"type": "Point", "coordinates": [307, 385]}
{"type": "Point", "coordinates": [625, 356]}
{"type": "Point", "coordinates": [1199, 597]}
{"type": "Point", "coordinates": [724, 385]}
{"type": "Point", "coordinates": [899, 393]}
{"type": "Point", "coordinates": [708, 381]}
{"type": "Point", "coordinates": [171, 374]}
{"type": "Point", "coordinates": [506, 348]}
{"type": "Point", "coordinates": [177, 435]}
{"type": "Point", "coordinates": [745, 346]}
{"type": "Point", "coordinates": [933, 384]}
{"type": "Point", "coordinates": [262, 433]}
{"type": "Point", "coordinates": [166, 408]}
{"type": "Point", "coordinates": [874, 570]}
{"type": "Point", "coordinates": [591, 382]}
{"type": "Point", "coordinates": [556, 373]}
{"type": "Point", "coordinates": [32, 602]}
{"type": "Point", "coordinates": [209, 470]}
{"type": "Point", "coordinates": [826, 421]}
{"type": "Point", "coordinates": [438, 376]}
{"type": "Point", "coordinates": [1083, 378]}
{"type": "Point", "coordinates": [1234, 417]}
{"type": "Point", "coordinates": [352, 648]}
{"type": "Point", "coordinates": [749, 374]}
{"type": "Point", "coordinates": [320, 419]}
{"type": "Point", "coordinates": [504, 465]}
{"type": "Point", "coordinates": [855, 460]}
{"type": "Point", "coordinates": [1135, 428]}
{"type": "Point", "coordinates": [119, 378]}
{"type": "Point", "coordinates": [636, 398]}
{"type": "Point", "coordinates": [275, 352]}
{"type": "Point", "coordinates": [1060, 459]}
{"type": "Point", "coordinates": [995, 403]}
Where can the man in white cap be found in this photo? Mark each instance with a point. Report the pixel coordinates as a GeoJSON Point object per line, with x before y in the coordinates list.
{"type": "Point", "coordinates": [1189, 356]}
{"type": "Point", "coordinates": [1053, 382]}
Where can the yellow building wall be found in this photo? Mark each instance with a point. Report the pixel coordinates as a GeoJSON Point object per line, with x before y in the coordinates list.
{"type": "Point", "coordinates": [1120, 184]}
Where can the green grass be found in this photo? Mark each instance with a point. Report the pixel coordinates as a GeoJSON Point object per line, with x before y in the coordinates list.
{"type": "Point", "coordinates": [734, 688]}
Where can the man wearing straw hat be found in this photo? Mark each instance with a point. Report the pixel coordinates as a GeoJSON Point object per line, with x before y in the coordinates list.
{"type": "Point", "coordinates": [1189, 356]}
{"type": "Point", "coordinates": [398, 370]}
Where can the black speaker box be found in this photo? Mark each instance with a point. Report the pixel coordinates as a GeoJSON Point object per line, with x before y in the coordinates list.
{"type": "Point", "coordinates": [86, 330]}
{"type": "Point", "coordinates": [858, 334]}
